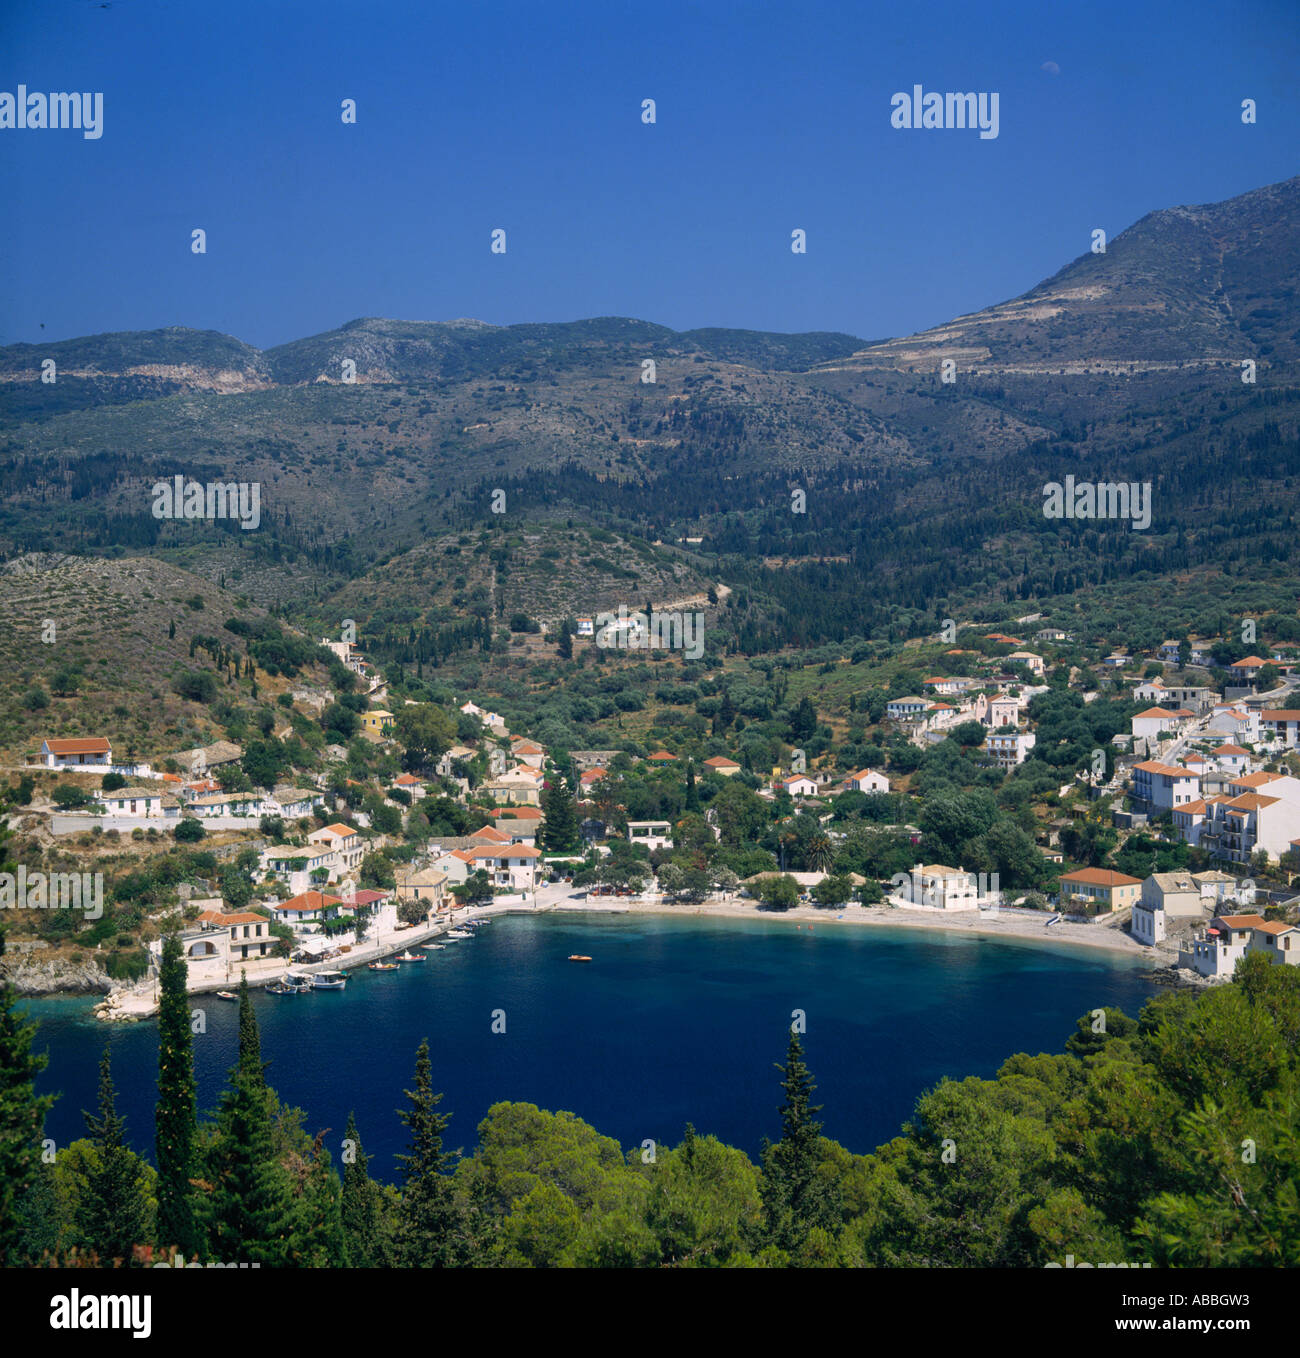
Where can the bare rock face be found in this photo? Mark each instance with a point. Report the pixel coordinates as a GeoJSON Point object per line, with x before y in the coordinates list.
{"type": "Point", "coordinates": [32, 974]}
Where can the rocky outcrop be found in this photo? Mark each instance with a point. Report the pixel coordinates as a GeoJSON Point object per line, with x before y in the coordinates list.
{"type": "Point", "coordinates": [33, 974]}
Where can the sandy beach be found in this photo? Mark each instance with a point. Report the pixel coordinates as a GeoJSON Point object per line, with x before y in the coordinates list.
{"type": "Point", "coordinates": [1004, 924]}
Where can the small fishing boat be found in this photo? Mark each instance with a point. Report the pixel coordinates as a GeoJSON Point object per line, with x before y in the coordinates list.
{"type": "Point", "coordinates": [329, 980]}
{"type": "Point", "coordinates": [385, 966]}
{"type": "Point", "coordinates": [579, 957]}
{"type": "Point", "coordinates": [409, 956]}
{"type": "Point", "coordinates": [433, 947]}
{"type": "Point", "coordinates": [459, 933]}
{"type": "Point", "coordinates": [279, 988]}
{"type": "Point", "coordinates": [227, 995]}
{"type": "Point", "coordinates": [1056, 919]}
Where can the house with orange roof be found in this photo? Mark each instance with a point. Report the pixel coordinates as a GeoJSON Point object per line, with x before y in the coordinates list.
{"type": "Point", "coordinates": [1246, 670]}
{"type": "Point", "coordinates": [662, 757]}
{"type": "Point", "coordinates": [344, 841]}
{"type": "Point", "coordinates": [521, 785]}
{"type": "Point", "coordinates": [81, 752]}
{"type": "Point", "coordinates": [489, 834]}
{"type": "Point", "coordinates": [1235, 828]}
{"type": "Point", "coordinates": [720, 764]}
{"type": "Point", "coordinates": [312, 907]}
{"type": "Point", "coordinates": [867, 780]}
{"type": "Point", "coordinates": [1104, 889]}
{"type": "Point", "coordinates": [1278, 941]}
{"type": "Point", "coordinates": [510, 867]}
{"type": "Point", "coordinates": [1156, 721]}
{"type": "Point", "coordinates": [1230, 758]}
{"type": "Point", "coordinates": [1281, 724]}
{"type": "Point", "coordinates": [247, 935]}
{"type": "Point", "coordinates": [1215, 951]}
{"type": "Point", "coordinates": [1161, 787]}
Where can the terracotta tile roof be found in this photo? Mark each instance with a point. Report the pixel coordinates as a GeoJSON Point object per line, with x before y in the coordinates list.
{"type": "Point", "coordinates": [309, 900]}
{"type": "Point", "coordinates": [1100, 877]}
{"type": "Point", "coordinates": [86, 745]}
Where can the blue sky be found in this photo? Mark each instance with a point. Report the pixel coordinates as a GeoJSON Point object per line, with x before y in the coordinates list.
{"type": "Point", "coordinates": [527, 116]}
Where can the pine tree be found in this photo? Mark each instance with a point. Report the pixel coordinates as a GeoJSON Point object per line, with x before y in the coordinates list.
{"type": "Point", "coordinates": [22, 1116]}
{"type": "Point", "coordinates": [560, 819]}
{"type": "Point", "coordinates": [174, 1121]}
{"type": "Point", "coordinates": [566, 641]}
{"type": "Point", "coordinates": [429, 1228]}
{"type": "Point", "coordinates": [362, 1204]}
{"type": "Point", "coordinates": [796, 1197]}
{"type": "Point", "coordinates": [692, 793]}
{"type": "Point", "coordinates": [113, 1213]}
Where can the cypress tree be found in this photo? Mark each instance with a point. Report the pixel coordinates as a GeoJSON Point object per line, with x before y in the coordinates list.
{"type": "Point", "coordinates": [429, 1233]}
{"type": "Point", "coordinates": [174, 1121]}
{"type": "Point", "coordinates": [247, 1211]}
{"type": "Point", "coordinates": [22, 1117]}
{"type": "Point", "coordinates": [362, 1206]}
{"type": "Point", "coordinates": [113, 1213]}
{"type": "Point", "coordinates": [796, 1196]}
{"type": "Point", "coordinates": [560, 819]}
{"type": "Point", "coordinates": [250, 1039]}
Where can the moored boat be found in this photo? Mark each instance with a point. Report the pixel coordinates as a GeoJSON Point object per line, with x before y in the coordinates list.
{"type": "Point", "coordinates": [227, 995]}
{"type": "Point", "coordinates": [459, 933]}
{"type": "Point", "coordinates": [329, 980]}
{"type": "Point", "coordinates": [409, 956]}
{"type": "Point", "coordinates": [279, 988]}
{"type": "Point", "coordinates": [385, 966]}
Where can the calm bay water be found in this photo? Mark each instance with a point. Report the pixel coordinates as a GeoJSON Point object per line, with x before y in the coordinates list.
{"type": "Point", "coordinates": [676, 1020]}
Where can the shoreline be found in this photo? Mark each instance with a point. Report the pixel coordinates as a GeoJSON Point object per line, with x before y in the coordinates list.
{"type": "Point", "coordinates": [128, 1003]}
{"type": "Point", "coordinates": [1004, 925]}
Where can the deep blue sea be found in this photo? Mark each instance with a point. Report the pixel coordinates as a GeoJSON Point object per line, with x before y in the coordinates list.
{"type": "Point", "coordinates": [675, 1020]}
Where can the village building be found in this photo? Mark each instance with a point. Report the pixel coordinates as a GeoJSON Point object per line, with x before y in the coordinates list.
{"type": "Point", "coordinates": [1103, 888]}
{"type": "Point", "coordinates": [85, 752]}
{"type": "Point", "coordinates": [345, 843]}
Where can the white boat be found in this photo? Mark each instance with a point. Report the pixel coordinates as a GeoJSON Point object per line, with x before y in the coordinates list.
{"type": "Point", "coordinates": [433, 947]}
{"type": "Point", "coordinates": [329, 980]}
{"type": "Point", "coordinates": [459, 933]}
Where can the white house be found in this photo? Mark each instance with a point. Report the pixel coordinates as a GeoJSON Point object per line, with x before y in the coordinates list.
{"type": "Point", "coordinates": [345, 843]}
{"type": "Point", "coordinates": [1229, 758]}
{"type": "Point", "coordinates": [1155, 720]}
{"type": "Point", "coordinates": [245, 935]}
{"type": "Point", "coordinates": [1216, 950]}
{"type": "Point", "coordinates": [1281, 724]}
{"type": "Point", "coordinates": [654, 834]}
{"type": "Point", "coordinates": [904, 709]}
{"type": "Point", "coordinates": [299, 869]}
{"type": "Point", "coordinates": [1164, 787]}
{"type": "Point", "coordinates": [1009, 749]}
{"type": "Point", "coordinates": [867, 780]}
{"type": "Point", "coordinates": [510, 867]}
{"type": "Point", "coordinates": [936, 887]}
{"type": "Point", "coordinates": [86, 752]}
{"type": "Point", "coordinates": [311, 907]}
{"type": "Point", "coordinates": [136, 801]}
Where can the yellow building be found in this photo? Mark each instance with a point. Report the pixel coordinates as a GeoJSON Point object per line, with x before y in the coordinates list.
{"type": "Point", "coordinates": [378, 720]}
